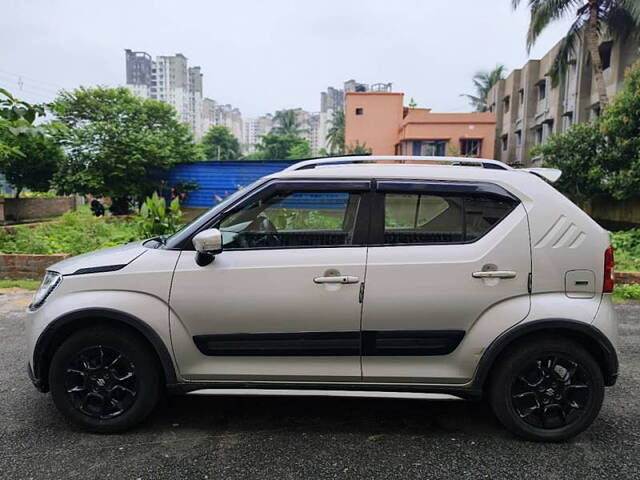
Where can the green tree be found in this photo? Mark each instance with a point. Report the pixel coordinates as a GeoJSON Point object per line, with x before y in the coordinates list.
{"type": "Point", "coordinates": [335, 134]}
{"type": "Point", "coordinates": [620, 123]}
{"type": "Point", "coordinates": [115, 142]}
{"type": "Point", "coordinates": [579, 153]}
{"type": "Point", "coordinates": [281, 147]}
{"type": "Point", "coordinates": [220, 144]}
{"type": "Point", "coordinates": [483, 82]}
{"type": "Point", "coordinates": [596, 18]}
{"type": "Point", "coordinates": [33, 165]}
{"type": "Point", "coordinates": [300, 150]}
{"type": "Point", "coordinates": [286, 123]}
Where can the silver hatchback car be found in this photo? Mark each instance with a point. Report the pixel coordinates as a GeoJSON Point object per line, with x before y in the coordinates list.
{"type": "Point", "coordinates": [408, 276]}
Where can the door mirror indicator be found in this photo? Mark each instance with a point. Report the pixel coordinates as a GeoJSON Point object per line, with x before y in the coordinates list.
{"type": "Point", "coordinates": [208, 244]}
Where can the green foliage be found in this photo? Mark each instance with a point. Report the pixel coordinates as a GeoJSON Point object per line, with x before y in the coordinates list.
{"type": "Point", "coordinates": [78, 232]}
{"type": "Point", "coordinates": [281, 147]}
{"type": "Point", "coordinates": [286, 124]}
{"type": "Point", "coordinates": [301, 150]}
{"type": "Point", "coordinates": [579, 154]}
{"type": "Point", "coordinates": [621, 126]}
{"type": "Point", "coordinates": [358, 148]}
{"type": "Point", "coordinates": [298, 219]}
{"type": "Point", "coordinates": [114, 141]}
{"type": "Point", "coordinates": [220, 144]}
{"type": "Point", "coordinates": [34, 165]}
{"type": "Point", "coordinates": [483, 82]}
{"type": "Point", "coordinates": [626, 292]}
{"type": "Point", "coordinates": [16, 122]}
{"type": "Point", "coordinates": [335, 134]}
{"type": "Point", "coordinates": [156, 219]}
{"type": "Point", "coordinates": [626, 248]}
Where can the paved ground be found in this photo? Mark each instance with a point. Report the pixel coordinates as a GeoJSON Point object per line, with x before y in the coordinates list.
{"type": "Point", "coordinates": [199, 437]}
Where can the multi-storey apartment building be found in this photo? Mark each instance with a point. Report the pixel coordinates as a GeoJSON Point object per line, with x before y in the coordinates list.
{"type": "Point", "coordinates": [168, 79]}
{"type": "Point", "coordinates": [529, 108]}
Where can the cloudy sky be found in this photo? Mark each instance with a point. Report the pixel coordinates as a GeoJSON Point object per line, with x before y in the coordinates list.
{"type": "Point", "coordinates": [264, 55]}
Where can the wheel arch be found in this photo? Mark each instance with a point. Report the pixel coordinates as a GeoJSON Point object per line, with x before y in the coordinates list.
{"type": "Point", "coordinates": [585, 334]}
{"type": "Point", "coordinates": [60, 329]}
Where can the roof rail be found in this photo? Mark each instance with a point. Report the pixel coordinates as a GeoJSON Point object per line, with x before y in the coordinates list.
{"type": "Point", "coordinates": [481, 162]}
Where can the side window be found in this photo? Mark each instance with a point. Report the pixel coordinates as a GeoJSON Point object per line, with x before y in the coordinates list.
{"type": "Point", "coordinates": [413, 218]}
{"type": "Point", "coordinates": [293, 219]}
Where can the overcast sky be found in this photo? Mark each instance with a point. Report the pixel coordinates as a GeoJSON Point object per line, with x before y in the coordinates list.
{"type": "Point", "coordinates": [264, 55]}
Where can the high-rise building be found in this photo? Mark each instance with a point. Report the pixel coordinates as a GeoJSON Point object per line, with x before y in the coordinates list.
{"type": "Point", "coordinates": [170, 79]}
{"type": "Point", "coordinates": [332, 99]}
{"type": "Point", "coordinates": [253, 129]}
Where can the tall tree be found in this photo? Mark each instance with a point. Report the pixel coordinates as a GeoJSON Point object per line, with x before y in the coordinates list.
{"type": "Point", "coordinates": [281, 147]}
{"type": "Point", "coordinates": [220, 144]}
{"type": "Point", "coordinates": [483, 82]}
{"type": "Point", "coordinates": [595, 18]}
{"type": "Point", "coordinates": [16, 122]}
{"type": "Point", "coordinates": [115, 142]}
{"type": "Point", "coordinates": [335, 134]}
{"type": "Point", "coordinates": [286, 123]}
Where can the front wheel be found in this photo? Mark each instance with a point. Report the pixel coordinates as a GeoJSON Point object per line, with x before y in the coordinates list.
{"type": "Point", "coordinates": [547, 389]}
{"type": "Point", "coordinates": [104, 379]}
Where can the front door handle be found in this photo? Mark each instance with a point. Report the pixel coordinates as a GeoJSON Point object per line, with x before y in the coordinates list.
{"type": "Point", "coordinates": [339, 279]}
{"type": "Point", "coordinates": [494, 274]}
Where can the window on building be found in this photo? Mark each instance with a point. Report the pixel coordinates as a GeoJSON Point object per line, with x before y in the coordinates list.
{"type": "Point", "coordinates": [518, 138]}
{"type": "Point", "coordinates": [567, 121]}
{"type": "Point", "coordinates": [521, 96]}
{"type": "Point", "coordinates": [430, 148]}
{"type": "Point", "coordinates": [505, 141]}
{"type": "Point", "coordinates": [440, 218]}
{"type": "Point", "coordinates": [471, 147]}
{"type": "Point", "coordinates": [359, 111]}
{"type": "Point", "coordinates": [605, 54]}
{"type": "Point", "coordinates": [542, 90]}
{"type": "Point", "coordinates": [538, 134]}
{"type": "Point", "coordinates": [506, 103]}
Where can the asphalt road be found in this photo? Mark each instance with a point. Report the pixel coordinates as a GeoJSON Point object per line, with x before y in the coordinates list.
{"type": "Point", "coordinates": [281, 438]}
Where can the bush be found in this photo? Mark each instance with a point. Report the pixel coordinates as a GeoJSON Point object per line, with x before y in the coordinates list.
{"type": "Point", "coordinates": [156, 219]}
{"type": "Point", "coordinates": [626, 246]}
{"type": "Point", "coordinates": [627, 292]}
{"type": "Point", "coordinates": [78, 232]}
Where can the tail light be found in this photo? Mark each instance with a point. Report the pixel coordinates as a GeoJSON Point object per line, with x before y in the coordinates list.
{"type": "Point", "coordinates": [609, 274]}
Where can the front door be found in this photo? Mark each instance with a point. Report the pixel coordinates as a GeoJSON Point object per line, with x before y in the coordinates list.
{"type": "Point", "coordinates": [281, 302]}
{"type": "Point", "coordinates": [429, 277]}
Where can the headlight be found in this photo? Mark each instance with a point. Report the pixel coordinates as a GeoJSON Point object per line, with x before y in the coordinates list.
{"type": "Point", "coordinates": [49, 283]}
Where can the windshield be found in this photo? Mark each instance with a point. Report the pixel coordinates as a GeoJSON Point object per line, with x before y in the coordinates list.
{"type": "Point", "coordinates": [175, 240]}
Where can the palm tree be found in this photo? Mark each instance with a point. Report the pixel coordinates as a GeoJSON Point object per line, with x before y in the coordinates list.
{"type": "Point", "coordinates": [335, 134]}
{"type": "Point", "coordinates": [596, 18]}
{"type": "Point", "coordinates": [484, 81]}
{"type": "Point", "coordinates": [286, 122]}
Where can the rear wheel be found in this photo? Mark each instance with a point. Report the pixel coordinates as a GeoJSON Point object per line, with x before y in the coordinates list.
{"type": "Point", "coordinates": [105, 380]}
{"type": "Point", "coordinates": [547, 389]}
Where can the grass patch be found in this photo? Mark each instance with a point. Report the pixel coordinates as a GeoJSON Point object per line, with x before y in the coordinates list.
{"type": "Point", "coordinates": [77, 232]}
{"type": "Point", "coordinates": [26, 284]}
{"type": "Point", "coordinates": [626, 292]}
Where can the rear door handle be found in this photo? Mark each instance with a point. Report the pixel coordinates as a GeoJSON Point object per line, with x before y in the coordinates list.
{"type": "Point", "coordinates": [495, 274]}
{"type": "Point", "coordinates": [339, 279]}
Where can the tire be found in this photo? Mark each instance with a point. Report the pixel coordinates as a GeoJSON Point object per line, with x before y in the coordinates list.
{"type": "Point", "coordinates": [104, 379]}
{"type": "Point", "coordinates": [543, 401]}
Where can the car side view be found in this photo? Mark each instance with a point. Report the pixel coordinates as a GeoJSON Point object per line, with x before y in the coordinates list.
{"type": "Point", "coordinates": [407, 276]}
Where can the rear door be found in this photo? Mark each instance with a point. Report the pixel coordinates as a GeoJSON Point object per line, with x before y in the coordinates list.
{"type": "Point", "coordinates": [441, 254]}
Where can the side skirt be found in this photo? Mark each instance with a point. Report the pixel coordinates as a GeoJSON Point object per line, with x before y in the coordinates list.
{"type": "Point", "coordinates": [326, 389]}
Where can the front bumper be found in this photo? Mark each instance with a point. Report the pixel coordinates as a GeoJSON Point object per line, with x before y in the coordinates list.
{"type": "Point", "coordinates": [36, 381]}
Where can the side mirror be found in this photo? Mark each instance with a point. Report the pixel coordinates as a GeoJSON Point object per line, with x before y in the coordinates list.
{"type": "Point", "coordinates": [208, 244]}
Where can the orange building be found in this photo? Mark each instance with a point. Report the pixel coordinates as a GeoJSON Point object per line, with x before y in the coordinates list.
{"type": "Point", "coordinates": [381, 120]}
